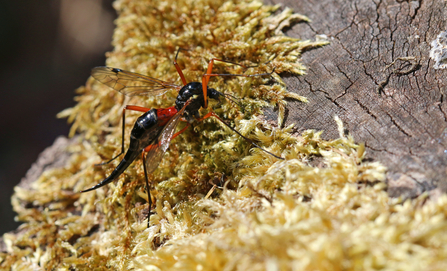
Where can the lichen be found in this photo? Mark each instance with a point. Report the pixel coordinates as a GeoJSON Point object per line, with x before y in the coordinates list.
{"type": "Point", "coordinates": [438, 51]}
{"type": "Point", "coordinates": [220, 204]}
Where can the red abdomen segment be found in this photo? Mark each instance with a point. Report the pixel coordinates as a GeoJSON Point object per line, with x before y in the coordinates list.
{"type": "Point", "coordinates": [165, 114]}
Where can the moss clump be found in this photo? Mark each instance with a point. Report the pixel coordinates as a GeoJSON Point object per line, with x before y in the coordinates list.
{"type": "Point", "coordinates": [220, 204]}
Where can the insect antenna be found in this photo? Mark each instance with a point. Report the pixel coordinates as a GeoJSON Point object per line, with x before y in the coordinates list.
{"type": "Point", "coordinates": [232, 99]}
{"type": "Point", "coordinates": [244, 137]}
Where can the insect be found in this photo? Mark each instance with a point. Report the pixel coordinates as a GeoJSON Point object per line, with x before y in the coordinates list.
{"type": "Point", "coordinates": [154, 129]}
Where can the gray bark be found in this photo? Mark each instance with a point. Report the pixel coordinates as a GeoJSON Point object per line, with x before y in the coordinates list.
{"type": "Point", "coordinates": [377, 76]}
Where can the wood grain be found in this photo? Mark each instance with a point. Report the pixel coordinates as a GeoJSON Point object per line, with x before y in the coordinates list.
{"type": "Point", "coordinates": [377, 76]}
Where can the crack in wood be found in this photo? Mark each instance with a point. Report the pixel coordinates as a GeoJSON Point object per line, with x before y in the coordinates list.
{"type": "Point", "coordinates": [377, 44]}
{"type": "Point", "coordinates": [414, 66]}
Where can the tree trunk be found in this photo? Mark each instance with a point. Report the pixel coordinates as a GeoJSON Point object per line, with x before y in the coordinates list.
{"type": "Point", "coordinates": [378, 77]}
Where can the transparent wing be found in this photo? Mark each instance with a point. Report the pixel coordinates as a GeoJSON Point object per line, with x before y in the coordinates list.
{"type": "Point", "coordinates": [161, 144]}
{"type": "Point", "coordinates": [130, 83]}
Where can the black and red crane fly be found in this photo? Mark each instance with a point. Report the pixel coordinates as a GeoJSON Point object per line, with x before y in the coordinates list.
{"type": "Point", "coordinates": [154, 130]}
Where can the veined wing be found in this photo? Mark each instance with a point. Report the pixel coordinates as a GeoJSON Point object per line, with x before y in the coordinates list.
{"type": "Point", "coordinates": [130, 83]}
{"type": "Point", "coordinates": [161, 144]}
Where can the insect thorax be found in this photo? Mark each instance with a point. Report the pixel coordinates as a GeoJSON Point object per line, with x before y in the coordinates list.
{"type": "Point", "coordinates": [193, 91]}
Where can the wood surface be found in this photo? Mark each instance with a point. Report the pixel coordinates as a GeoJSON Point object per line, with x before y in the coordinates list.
{"type": "Point", "coordinates": [377, 76]}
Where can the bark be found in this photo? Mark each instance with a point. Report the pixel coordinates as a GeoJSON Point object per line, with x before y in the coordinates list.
{"type": "Point", "coordinates": [55, 156]}
{"type": "Point", "coordinates": [377, 76]}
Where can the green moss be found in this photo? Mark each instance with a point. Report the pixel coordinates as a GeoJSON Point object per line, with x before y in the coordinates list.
{"type": "Point", "coordinates": [220, 204]}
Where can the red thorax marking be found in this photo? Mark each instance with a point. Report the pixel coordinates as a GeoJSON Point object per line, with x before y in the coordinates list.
{"type": "Point", "coordinates": [165, 114]}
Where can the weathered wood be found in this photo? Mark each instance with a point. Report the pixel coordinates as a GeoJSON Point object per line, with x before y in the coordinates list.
{"type": "Point", "coordinates": [55, 156]}
{"type": "Point", "coordinates": [377, 76]}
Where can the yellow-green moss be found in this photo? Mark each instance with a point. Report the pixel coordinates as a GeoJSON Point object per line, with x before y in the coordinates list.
{"type": "Point", "coordinates": [220, 204]}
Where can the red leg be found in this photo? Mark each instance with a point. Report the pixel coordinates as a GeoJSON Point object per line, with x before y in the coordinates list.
{"type": "Point", "coordinates": [128, 107]}
{"type": "Point", "coordinates": [136, 108]}
{"type": "Point", "coordinates": [148, 148]}
{"type": "Point", "coordinates": [206, 77]}
{"type": "Point", "coordinates": [206, 116]}
{"type": "Point", "coordinates": [177, 67]}
{"type": "Point", "coordinates": [181, 131]}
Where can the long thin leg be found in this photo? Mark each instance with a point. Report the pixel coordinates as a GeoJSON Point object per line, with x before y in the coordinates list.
{"type": "Point", "coordinates": [212, 114]}
{"type": "Point", "coordinates": [128, 107]}
{"type": "Point", "coordinates": [148, 190]}
{"type": "Point", "coordinates": [137, 108]}
{"type": "Point", "coordinates": [211, 64]}
{"type": "Point", "coordinates": [241, 75]}
{"type": "Point", "coordinates": [148, 148]}
{"type": "Point", "coordinates": [206, 77]}
{"type": "Point", "coordinates": [179, 132]}
{"type": "Point", "coordinates": [122, 141]}
{"type": "Point", "coordinates": [177, 66]}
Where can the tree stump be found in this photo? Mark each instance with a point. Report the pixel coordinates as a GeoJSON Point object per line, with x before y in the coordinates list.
{"type": "Point", "coordinates": [378, 77]}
